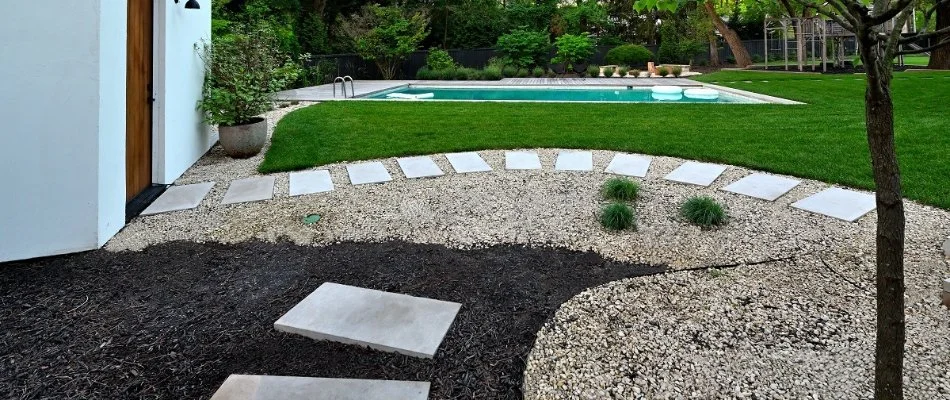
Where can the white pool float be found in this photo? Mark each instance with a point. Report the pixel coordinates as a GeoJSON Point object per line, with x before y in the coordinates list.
{"type": "Point", "coordinates": [407, 96]}
{"type": "Point", "coordinates": [667, 96]}
{"type": "Point", "coordinates": [667, 90]}
{"type": "Point", "coordinates": [701, 93]}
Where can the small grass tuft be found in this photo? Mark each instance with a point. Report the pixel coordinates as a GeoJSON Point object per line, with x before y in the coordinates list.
{"type": "Point", "coordinates": [620, 189]}
{"type": "Point", "coordinates": [617, 216]}
{"type": "Point", "coordinates": [703, 211]}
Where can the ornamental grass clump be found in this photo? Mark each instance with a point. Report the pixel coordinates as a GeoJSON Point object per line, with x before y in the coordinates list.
{"type": "Point", "coordinates": [593, 71]}
{"type": "Point", "coordinates": [677, 71]}
{"type": "Point", "coordinates": [608, 71]}
{"type": "Point", "coordinates": [703, 211]}
{"type": "Point", "coordinates": [622, 70]}
{"type": "Point", "coordinates": [620, 189]}
{"type": "Point", "coordinates": [618, 217]}
{"type": "Point", "coordinates": [663, 71]}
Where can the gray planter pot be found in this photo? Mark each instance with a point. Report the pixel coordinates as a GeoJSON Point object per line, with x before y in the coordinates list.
{"type": "Point", "coordinates": [243, 141]}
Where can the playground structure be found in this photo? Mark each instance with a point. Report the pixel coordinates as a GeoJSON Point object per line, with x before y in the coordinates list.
{"type": "Point", "coordinates": [814, 37]}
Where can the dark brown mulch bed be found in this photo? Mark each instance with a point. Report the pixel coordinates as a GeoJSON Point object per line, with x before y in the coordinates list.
{"type": "Point", "coordinates": [175, 320]}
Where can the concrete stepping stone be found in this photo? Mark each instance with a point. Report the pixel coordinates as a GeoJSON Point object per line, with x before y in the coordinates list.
{"type": "Point", "coordinates": [419, 167]}
{"type": "Point", "coordinates": [265, 387]}
{"type": "Point", "coordinates": [249, 189]}
{"type": "Point", "coordinates": [464, 163]}
{"type": "Point", "coordinates": [629, 165]}
{"type": "Point", "coordinates": [569, 160]}
{"type": "Point", "coordinates": [522, 160]}
{"type": "Point", "coordinates": [696, 173]}
{"type": "Point", "coordinates": [838, 203]}
{"type": "Point", "coordinates": [371, 172]}
{"type": "Point", "coordinates": [308, 182]}
{"type": "Point", "coordinates": [384, 321]}
{"type": "Point", "coordinates": [176, 198]}
{"type": "Point", "coordinates": [762, 186]}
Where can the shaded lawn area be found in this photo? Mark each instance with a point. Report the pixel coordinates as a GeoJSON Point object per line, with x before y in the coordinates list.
{"type": "Point", "coordinates": [823, 140]}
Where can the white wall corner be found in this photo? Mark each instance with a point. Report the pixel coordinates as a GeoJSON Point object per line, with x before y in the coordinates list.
{"type": "Point", "coordinates": [113, 42]}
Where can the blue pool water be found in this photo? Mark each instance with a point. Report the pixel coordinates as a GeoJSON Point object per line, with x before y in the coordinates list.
{"type": "Point", "coordinates": [558, 94]}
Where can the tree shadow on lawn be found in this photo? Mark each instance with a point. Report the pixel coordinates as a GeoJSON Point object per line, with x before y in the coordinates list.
{"type": "Point", "coordinates": [174, 320]}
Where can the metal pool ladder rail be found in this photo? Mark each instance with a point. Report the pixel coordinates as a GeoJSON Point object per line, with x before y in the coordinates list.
{"type": "Point", "coordinates": [343, 80]}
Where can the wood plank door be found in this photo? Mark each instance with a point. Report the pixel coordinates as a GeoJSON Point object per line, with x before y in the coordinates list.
{"type": "Point", "coordinates": [138, 134]}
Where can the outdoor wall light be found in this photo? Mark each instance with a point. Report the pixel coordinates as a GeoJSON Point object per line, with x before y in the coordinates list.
{"type": "Point", "coordinates": [191, 4]}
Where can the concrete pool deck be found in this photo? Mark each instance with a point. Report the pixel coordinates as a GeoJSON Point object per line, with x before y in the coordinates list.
{"type": "Point", "coordinates": [362, 88]}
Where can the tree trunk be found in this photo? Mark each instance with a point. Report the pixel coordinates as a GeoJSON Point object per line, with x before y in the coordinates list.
{"type": "Point", "coordinates": [940, 58]}
{"type": "Point", "coordinates": [735, 44]}
{"type": "Point", "coordinates": [713, 49]}
{"type": "Point", "coordinates": [879, 113]}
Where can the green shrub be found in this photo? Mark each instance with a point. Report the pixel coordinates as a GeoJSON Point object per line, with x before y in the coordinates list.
{"type": "Point", "coordinates": [523, 73]}
{"type": "Point", "coordinates": [608, 71]}
{"type": "Point", "coordinates": [498, 62]}
{"type": "Point", "coordinates": [677, 71]}
{"type": "Point", "coordinates": [622, 70]}
{"type": "Point", "coordinates": [552, 74]}
{"type": "Point", "coordinates": [386, 35]}
{"type": "Point", "coordinates": [629, 54]}
{"type": "Point", "coordinates": [537, 72]}
{"type": "Point", "coordinates": [424, 73]}
{"type": "Point", "coordinates": [620, 189]}
{"type": "Point", "coordinates": [524, 48]}
{"type": "Point", "coordinates": [445, 74]}
{"type": "Point", "coordinates": [572, 49]}
{"type": "Point", "coordinates": [635, 73]}
{"type": "Point", "coordinates": [593, 71]}
{"type": "Point", "coordinates": [663, 71]}
{"type": "Point", "coordinates": [703, 211]}
{"type": "Point", "coordinates": [491, 73]}
{"type": "Point", "coordinates": [509, 72]}
{"type": "Point", "coordinates": [474, 74]}
{"type": "Point", "coordinates": [617, 216]}
{"type": "Point", "coordinates": [439, 59]}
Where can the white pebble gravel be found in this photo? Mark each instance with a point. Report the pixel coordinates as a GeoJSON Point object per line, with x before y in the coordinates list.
{"type": "Point", "coordinates": [789, 329]}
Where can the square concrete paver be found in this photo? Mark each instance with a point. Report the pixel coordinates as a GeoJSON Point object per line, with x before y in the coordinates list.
{"type": "Point", "coordinates": [629, 165]}
{"type": "Point", "coordinates": [385, 321]}
{"type": "Point", "coordinates": [308, 182]}
{"type": "Point", "coordinates": [569, 160]}
{"type": "Point", "coordinates": [177, 198]}
{"type": "Point", "coordinates": [842, 204]}
{"type": "Point", "coordinates": [371, 172]}
{"type": "Point", "coordinates": [249, 189]}
{"type": "Point", "coordinates": [762, 186]}
{"type": "Point", "coordinates": [464, 163]}
{"type": "Point", "coordinates": [522, 160]}
{"type": "Point", "coordinates": [696, 173]}
{"type": "Point", "coordinates": [419, 167]}
{"type": "Point", "coordinates": [266, 387]}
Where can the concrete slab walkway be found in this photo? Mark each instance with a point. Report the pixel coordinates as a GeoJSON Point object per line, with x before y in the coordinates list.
{"type": "Point", "coordinates": [264, 387]}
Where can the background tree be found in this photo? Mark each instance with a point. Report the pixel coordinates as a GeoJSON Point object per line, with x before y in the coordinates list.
{"type": "Point", "coordinates": [732, 39]}
{"type": "Point", "coordinates": [386, 35]}
{"type": "Point", "coordinates": [939, 12]}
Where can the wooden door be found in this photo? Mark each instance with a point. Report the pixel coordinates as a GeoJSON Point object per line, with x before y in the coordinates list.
{"type": "Point", "coordinates": [138, 134]}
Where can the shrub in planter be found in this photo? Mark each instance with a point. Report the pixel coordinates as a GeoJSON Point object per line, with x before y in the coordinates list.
{"type": "Point", "coordinates": [622, 70]}
{"type": "Point", "coordinates": [629, 54]}
{"type": "Point", "coordinates": [242, 71]}
{"type": "Point", "coordinates": [617, 216]}
{"type": "Point", "coordinates": [439, 59]}
{"type": "Point", "coordinates": [537, 72]}
{"type": "Point", "coordinates": [703, 211]}
{"type": "Point", "coordinates": [663, 71]}
{"type": "Point", "coordinates": [509, 72]}
{"type": "Point", "coordinates": [620, 189]}
{"type": "Point", "coordinates": [491, 73]}
{"type": "Point", "coordinates": [677, 71]}
{"type": "Point", "coordinates": [593, 71]}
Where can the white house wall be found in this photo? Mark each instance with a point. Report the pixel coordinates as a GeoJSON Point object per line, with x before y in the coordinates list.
{"type": "Point", "coordinates": [180, 137]}
{"type": "Point", "coordinates": [63, 133]}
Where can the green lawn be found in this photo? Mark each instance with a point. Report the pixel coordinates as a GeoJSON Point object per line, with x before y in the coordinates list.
{"type": "Point", "coordinates": [823, 140]}
{"type": "Point", "coordinates": [919, 61]}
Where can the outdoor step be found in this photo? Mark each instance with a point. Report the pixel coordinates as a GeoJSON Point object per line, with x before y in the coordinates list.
{"type": "Point", "coordinates": [419, 167]}
{"type": "Point", "coordinates": [629, 165]}
{"type": "Point", "coordinates": [696, 173]}
{"type": "Point", "coordinates": [762, 186]}
{"type": "Point", "coordinates": [522, 160]}
{"type": "Point", "coordinates": [464, 163]}
{"type": "Point", "coordinates": [249, 189]}
{"type": "Point", "coordinates": [267, 387]}
{"type": "Point", "coordinates": [308, 182]}
{"type": "Point", "coordinates": [573, 160]}
{"type": "Point", "coordinates": [384, 321]}
{"type": "Point", "coordinates": [838, 203]}
{"type": "Point", "coordinates": [370, 172]}
{"type": "Point", "coordinates": [175, 198]}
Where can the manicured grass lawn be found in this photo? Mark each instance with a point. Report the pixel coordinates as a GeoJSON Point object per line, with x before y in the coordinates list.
{"type": "Point", "coordinates": [822, 140]}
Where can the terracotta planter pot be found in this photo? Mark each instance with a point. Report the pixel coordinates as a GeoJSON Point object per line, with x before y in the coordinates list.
{"type": "Point", "coordinates": [243, 141]}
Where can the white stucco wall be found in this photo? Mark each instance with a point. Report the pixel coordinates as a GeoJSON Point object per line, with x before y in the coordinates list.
{"type": "Point", "coordinates": [180, 136]}
{"type": "Point", "coordinates": [62, 103]}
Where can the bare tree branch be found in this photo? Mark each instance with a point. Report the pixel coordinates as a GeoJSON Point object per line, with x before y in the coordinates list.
{"type": "Point", "coordinates": [889, 13]}
{"type": "Point", "coordinates": [945, 42]}
{"type": "Point", "coordinates": [919, 36]}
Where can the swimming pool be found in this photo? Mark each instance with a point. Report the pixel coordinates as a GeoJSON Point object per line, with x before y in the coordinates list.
{"type": "Point", "coordinates": [624, 94]}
